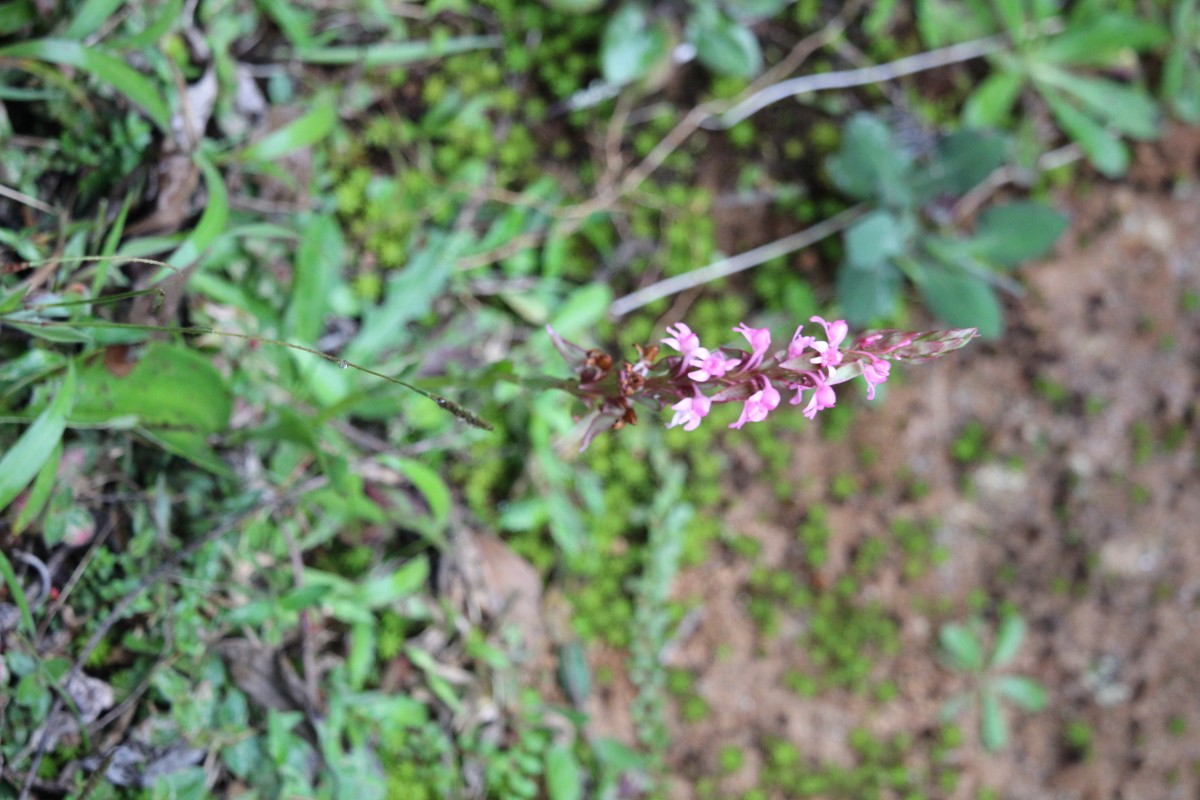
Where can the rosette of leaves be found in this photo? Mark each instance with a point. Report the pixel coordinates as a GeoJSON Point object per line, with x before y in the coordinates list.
{"type": "Point", "coordinates": [640, 39]}
{"type": "Point", "coordinates": [1065, 60]}
{"type": "Point", "coordinates": [956, 275]}
{"type": "Point", "coordinates": [962, 648]}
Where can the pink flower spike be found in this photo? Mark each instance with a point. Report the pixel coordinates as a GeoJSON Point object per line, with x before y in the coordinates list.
{"type": "Point", "coordinates": [758, 405]}
{"type": "Point", "coordinates": [822, 397]}
{"type": "Point", "coordinates": [683, 340]}
{"type": "Point", "coordinates": [689, 411]}
{"type": "Point", "coordinates": [875, 373]}
{"type": "Point", "coordinates": [710, 365]}
{"type": "Point", "coordinates": [760, 341]}
{"type": "Point", "coordinates": [835, 332]}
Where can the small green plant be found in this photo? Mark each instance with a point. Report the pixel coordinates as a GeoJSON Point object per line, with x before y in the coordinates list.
{"type": "Point", "coordinates": [1058, 57]}
{"type": "Point", "coordinates": [1181, 70]}
{"type": "Point", "coordinates": [898, 238]}
{"type": "Point", "coordinates": [963, 649]}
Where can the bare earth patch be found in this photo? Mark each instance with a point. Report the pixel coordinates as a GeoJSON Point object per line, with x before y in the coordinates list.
{"type": "Point", "coordinates": [1083, 513]}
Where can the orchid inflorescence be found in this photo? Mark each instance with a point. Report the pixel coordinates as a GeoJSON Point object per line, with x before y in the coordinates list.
{"type": "Point", "coordinates": [692, 381]}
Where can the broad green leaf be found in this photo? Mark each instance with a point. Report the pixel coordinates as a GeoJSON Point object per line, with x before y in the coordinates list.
{"type": "Point", "coordinates": [870, 165]}
{"type": "Point", "coordinates": [298, 134]}
{"type": "Point", "coordinates": [1105, 151]}
{"type": "Point", "coordinates": [431, 486]}
{"type": "Point", "coordinates": [959, 163]}
{"type": "Point", "coordinates": [564, 777]}
{"type": "Point", "coordinates": [169, 387]}
{"type": "Point", "coordinates": [1027, 693]}
{"type": "Point", "coordinates": [874, 239]}
{"type": "Point", "coordinates": [962, 646]}
{"type": "Point", "coordinates": [960, 299]}
{"type": "Point", "coordinates": [1008, 640]}
{"type": "Point", "coordinates": [1100, 42]}
{"type": "Point", "coordinates": [382, 591]}
{"type": "Point", "coordinates": [95, 61]}
{"type": "Point", "coordinates": [723, 45]}
{"type": "Point", "coordinates": [1127, 109]}
{"type": "Point", "coordinates": [14, 15]}
{"type": "Point", "coordinates": [394, 54]}
{"type": "Point", "coordinates": [1014, 233]}
{"type": "Point", "coordinates": [318, 265]}
{"type": "Point", "coordinates": [865, 295]}
{"type": "Point", "coordinates": [632, 45]}
{"type": "Point", "coordinates": [993, 730]}
{"type": "Point", "coordinates": [990, 105]}
{"type": "Point", "coordinates": [212, 221]}
{"type": "Point", "coordinates": [38, 442]}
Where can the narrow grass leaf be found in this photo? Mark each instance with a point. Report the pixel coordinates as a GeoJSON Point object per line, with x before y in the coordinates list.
{"type": "Point", "coordinates": [39, 493]}
{"type": "Point", "coordinates": [38, 443]}
{"type": "Point", "coordinates": [318, 263]}
{"type": "Point", "coordinates": [392, 54]}
{"type": "Point", "coordinates": [89, 16]}
{"type": "Point", "coordinates": [17, 592]}
{"type": "Point", "coordinates": [136, 87]}
{"type": "Point", "coordinates": [298, 134]}
{"type": "Point", "coordinates": [212, 221]}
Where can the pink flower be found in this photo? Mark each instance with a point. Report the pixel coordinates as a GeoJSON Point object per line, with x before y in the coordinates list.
{"type": "Point", "coordinates": [689, 411]}
{"type": "Point", "coordinates": [822, 396]}
{"type": "Point", "coordinates": [875, 373]}
{"type": "Point", "coordinates": [835, 332]}
{"type": "Point", "coordinates": [760, 340]}
{"type": "Point", "coordinates": [799, 343]}
{"type": "Point", "coordinates": [710, 365]}
{"type": "Point", "coordinates": [683, 340]}
{"type": "Point", "coordinates": [758, 405]}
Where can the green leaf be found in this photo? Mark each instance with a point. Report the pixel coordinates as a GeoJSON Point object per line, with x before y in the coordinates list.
{"type": "Point", "coordinates": [61, 334]}
{"type": "Point", "coordinates": [1102, 41]}
{"type": "Point", "coordinates": [1011, 14]}
{"type": "Point", "coordinates": [959, 163]}
{"type": "Point", "coordinates": [17, 593]}
{"type": "Point", "coordinates": [1027, 693]}
{"type": "Point", "coordinates": [723, 45]}
{"type": "Point", "coordinates": [1105, 151]}
{"type": "Point", "coordinates": [394, 54]}
{"type": "Point", "coordinates": [40, 492]}
{"type": "Point", "coordinates": [318, 264]}
{"type": "Point", "coordinates": [383, 591]}
{"type": "Point", "coordinates": [89, 16]}
{"type": "Point", "coordinates": [212, 221]}
{"type": "Point", "coordinates": [1127, 109]}
{"type": "Point", "coordinates": [431, 486]}
{"type": "Point", "coordinates": [189, 445]}
{"type": "Point", "coordinates": [169, 387]}
{"type": "Point", "coordinates": [1013, 233]}
{"type": "Point", "coordinates": [582, 309]}
{"type": "Point", "coordinates": [1181, 84]}
{"type": "Point", "coordinates": [874, 239]}
{"type": "Point", "coordinates": [993, 730]}
{"type": "Point", "coordinates": [865, 295]}
{"type": "Point", "coordinates": [1008, 640]}
{"type": "Point", "coordinates": [989, 106]}
{"type": "Point", "coordinates": [631, 45]}
{"type": "Point", "coordinates": [102, 66]}
{"type": "Point", "coordinates": [870, 165]}
{"type": "Point", "coordinates": [298, 134]}
{"type": "Point", "coordinates": [962, 647]}
{"type": "Point", "coordinates": [564, 778]}
{"type": "Point", "coordinates": [14, 15]}
{"type": "Point", "coordinates": [943, 22]}
{"type": "Point", "coordinates": [960, 299]}
{"type": "Point", "coordinates": [38, 443]}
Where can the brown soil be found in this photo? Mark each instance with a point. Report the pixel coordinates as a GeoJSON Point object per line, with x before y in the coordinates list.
{"type": "Point", "coordinates": [1084, 514]}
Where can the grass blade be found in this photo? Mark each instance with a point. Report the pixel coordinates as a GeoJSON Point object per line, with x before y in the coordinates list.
{"type": "Point", "coordinates": [394, 53]}
{"type": "Point", "coordinates": [37, 443]}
